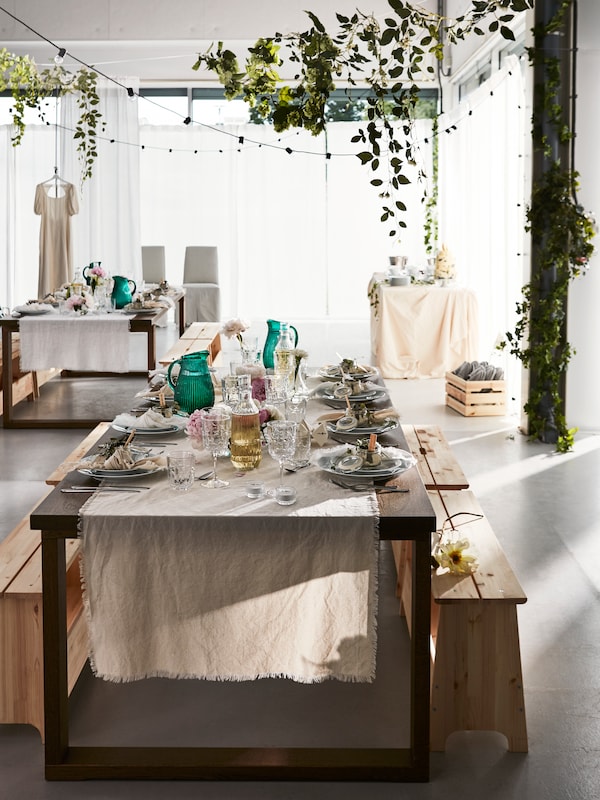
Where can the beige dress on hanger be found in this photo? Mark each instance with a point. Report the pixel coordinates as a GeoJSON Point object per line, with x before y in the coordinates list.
{"type": "Point", "coordinates": [55, 234]}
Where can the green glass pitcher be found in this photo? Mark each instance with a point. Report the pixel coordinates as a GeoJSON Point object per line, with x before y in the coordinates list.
{"type": "Point", "coordinates": [192, 385]}
{"type": "Point", "coordinates": [123, 291]}
{"type": "Point", "coordinates": [274, 328]}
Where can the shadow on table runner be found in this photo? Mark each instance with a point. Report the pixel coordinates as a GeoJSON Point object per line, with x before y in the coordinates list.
{"type": "Point", "coordinates": [233, 598]}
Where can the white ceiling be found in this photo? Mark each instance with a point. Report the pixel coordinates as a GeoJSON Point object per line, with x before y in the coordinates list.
{"type": "Point", "coordinates": [153, 39]}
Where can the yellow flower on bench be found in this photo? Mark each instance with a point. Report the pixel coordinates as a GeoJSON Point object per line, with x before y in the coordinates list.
{"type": "Point", "coordinates": [452, 556]}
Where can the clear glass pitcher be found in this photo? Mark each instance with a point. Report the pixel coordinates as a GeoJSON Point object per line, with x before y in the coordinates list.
{"type": "Point", "coordinates": [192, 385]}
{"type": "Point", "coordinates": [274, 329]}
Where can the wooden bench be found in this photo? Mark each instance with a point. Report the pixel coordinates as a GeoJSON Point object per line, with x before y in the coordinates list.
{"type": "Point", "coordinates": [21, 654]}
{"type": "Point", "coordinates": [198, 336]}
{"type": "Point", "coordinates": [436, 462]}
{"type": "Point", "coordinates": [77, 454]}
{"type": "Point", "coordinates": [25, 385]}
{"type": "Point", "coordinates": [476, 675]}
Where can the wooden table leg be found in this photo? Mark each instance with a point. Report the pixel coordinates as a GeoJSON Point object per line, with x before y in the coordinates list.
{"type": "Point", "coordinates": [181, 315]}
{"type": "Point", "coordinates": [7, 377]}
{"type": "Point", "coordinates": [56, 719]}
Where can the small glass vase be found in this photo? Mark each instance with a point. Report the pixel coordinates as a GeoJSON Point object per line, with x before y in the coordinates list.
{"type": "Point", "coordinates": [300, 386]}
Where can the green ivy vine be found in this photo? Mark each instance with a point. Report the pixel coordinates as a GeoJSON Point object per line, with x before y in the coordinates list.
{"type": "Point", "coordinates": [29, 87]}
{"type": "Point", "coordinates": [390, 58]}
{"type": "Point", "coordinates": [561, 234]}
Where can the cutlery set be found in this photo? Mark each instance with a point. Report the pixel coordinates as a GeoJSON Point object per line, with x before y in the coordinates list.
{"type": "Point", "coordinates": [368, 487]}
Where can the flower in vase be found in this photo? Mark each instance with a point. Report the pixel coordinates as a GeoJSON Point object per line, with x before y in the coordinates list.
{"type": "Point", "coordinates": [258, 390]}
{"type": "Point", "coordinates": [80, 303]}
{"type": "Point", "coordinates": [193, 428]}
{"type": "Point", "coordinates": [235, 327]}
{"type": "Point", "coordinates": [298, 356]}
{"type": "Point", "coordinates": [267, 413]}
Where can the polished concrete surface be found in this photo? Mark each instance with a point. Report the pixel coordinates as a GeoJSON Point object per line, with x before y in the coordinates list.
{"type": "Point", "coordinates": [545, 510]}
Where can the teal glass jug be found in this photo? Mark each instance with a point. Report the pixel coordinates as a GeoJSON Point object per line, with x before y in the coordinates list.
{"type": "Point", "coordinates": [123, 290]}
{"type": "Point", "coordinates": [274, 329]}
{"type": "Point", "coordinates": [192, 385]}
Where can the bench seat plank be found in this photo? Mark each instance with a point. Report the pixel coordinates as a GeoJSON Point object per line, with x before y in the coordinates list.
{"type": "Point", "coordinates": [436, 462]}
{"type": "Point", "coordinates": [75, 456]}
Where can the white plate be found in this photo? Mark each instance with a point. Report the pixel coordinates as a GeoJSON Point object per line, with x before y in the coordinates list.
{"type": "Point", "coordinates": [334, 372]}
{"type": "Point", "coordinates": [33, 311]}
{"type": "Point", "coordinates": [115, 473]}
{"type": "Point", "coordinates": [394, 462]}
{"type": "Point", "coordinates": [363, 431]}
{"type": "Point", "coordinates": [100, 474]}
{"type": "Point", "coordinates": [152, 310]}
{"type": "Point", "coordinates": [147, 431]}
{"type": "Point", "coordinates": [325, 393]}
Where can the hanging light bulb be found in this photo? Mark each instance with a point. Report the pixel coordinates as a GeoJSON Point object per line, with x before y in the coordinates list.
{"type": "Point", "coordinates": [60, 56]}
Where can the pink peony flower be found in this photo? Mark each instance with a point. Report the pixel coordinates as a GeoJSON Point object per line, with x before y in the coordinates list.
{"type": "Point", "coordinates": [258, 390]}
{"type": "Point", "coordinates": [194, 425]}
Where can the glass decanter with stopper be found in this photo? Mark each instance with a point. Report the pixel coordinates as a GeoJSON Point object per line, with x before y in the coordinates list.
{"type": "Point", "coordinates": [284, 361]}
{"type": "Point", "coordinates": [245, 448]}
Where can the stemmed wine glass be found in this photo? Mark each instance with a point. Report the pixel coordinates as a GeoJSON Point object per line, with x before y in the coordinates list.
{"type": "Point", "coordinates": [281, 439]}
{"type": "Point", "coordinates": [216, 432]}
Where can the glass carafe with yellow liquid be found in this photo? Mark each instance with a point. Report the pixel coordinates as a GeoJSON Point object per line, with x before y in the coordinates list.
{"type": "Point", "coordinates": [245, 446]}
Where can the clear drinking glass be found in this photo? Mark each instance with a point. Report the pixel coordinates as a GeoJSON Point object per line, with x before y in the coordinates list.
{"type": "Point", "coordinates": [216, 432]}
{"type": "Point", "coordinates": [281, 439]}
{"type": "Point", "coordinates": [180, 466]}
{"type": "Point", "coordinates": [277, 390]}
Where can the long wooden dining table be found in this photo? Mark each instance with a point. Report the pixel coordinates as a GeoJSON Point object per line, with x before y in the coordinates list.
{"type": "Point", "coordinates": [403, 516]}
{"type": "Point", "coordinates": [141, 322]}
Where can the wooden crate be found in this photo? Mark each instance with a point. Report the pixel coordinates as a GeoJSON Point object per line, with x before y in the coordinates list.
{"type": "Point", "coordinates": [475, 398]}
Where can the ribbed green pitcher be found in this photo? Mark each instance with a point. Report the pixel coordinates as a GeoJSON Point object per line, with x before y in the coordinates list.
{"type": "Point", "coordinates": [192, 385]}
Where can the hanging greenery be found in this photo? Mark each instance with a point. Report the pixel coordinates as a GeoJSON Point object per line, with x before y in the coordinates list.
{"type": "Point", "coordinates": [29, 87]}
{"type": "Point", "coordinates": [390, 58]}
{"type": "Point", "coordinates": [561, 235]}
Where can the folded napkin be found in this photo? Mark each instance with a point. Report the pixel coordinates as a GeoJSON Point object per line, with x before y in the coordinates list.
{"type": "Point", "coordinates": [384, 413]}
{"type": "Point", "coordinates": [152, 418]}
{"type": "Point", "coordinates": [166, 390]}
{"type": "Point", "coordinates": [120, 461]}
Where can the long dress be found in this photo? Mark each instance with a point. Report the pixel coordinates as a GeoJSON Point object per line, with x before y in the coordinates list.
{"type": "Point", "coordinates": [55, 234]}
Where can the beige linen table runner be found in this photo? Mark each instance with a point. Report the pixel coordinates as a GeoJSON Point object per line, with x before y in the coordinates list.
{"type": "Point", "coordinates": [90, 343]}
{"type": "Point", "coordinates": [209, 584]}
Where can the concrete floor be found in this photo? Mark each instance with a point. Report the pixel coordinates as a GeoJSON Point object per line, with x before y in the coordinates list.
{"type": "Point", "coordinates": [545, 510]}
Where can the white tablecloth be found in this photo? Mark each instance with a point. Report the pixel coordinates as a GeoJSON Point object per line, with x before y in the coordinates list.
{"type": "Point", "coordinates": [94, 343]}
{"type": "Point", "coordinates": [210, 584]}
{"type": "Point", "coordinates": [424, 331]}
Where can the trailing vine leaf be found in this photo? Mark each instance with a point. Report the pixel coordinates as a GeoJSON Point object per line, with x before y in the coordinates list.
{"type": "Point", "coordinates": [29, 87]}
{"type": "Point", "coordinates": [561, 234]}
{"type": "Point", "coordinates": [389, 57]}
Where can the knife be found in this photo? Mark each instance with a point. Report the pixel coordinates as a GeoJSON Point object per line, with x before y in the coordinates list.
{"type": "Point", "coordinates": [83, 489]}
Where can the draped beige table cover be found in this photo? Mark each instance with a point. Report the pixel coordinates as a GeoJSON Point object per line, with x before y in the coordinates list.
{"type": "Point", "coordinates": [94, 343]}
{"type": "Point", "coordinates": [424, 331]}
{"type": "Point", "coordinates": [209, 584]}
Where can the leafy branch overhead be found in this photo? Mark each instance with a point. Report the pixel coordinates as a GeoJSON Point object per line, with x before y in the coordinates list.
{"type": "Point", "coordinates": [393, 60]}
{"type": "Point", "coordinates": [29, 87]}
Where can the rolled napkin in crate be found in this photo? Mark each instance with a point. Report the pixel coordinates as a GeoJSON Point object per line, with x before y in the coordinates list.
{"type": "Point", "coordinates": [479, 371]}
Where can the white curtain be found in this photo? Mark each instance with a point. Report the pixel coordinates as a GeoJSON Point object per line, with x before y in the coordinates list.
{"type": "Point", "coordinates": [107, 227]}
{"type": "Point", "coordinates": [299, 235]}
{"type": "Point", "coordinates": [481, 200]}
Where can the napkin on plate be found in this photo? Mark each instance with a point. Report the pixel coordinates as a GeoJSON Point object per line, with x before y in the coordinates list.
{"type": "Point", "coordinates": [152, 418]}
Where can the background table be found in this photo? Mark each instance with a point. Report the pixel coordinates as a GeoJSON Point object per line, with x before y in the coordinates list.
{"type": "Point", "coordinates": [138, 323]}
{"type": "Point", "coordinates": [423, 331]}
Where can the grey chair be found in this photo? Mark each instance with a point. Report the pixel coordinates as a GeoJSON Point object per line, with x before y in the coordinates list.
{"type": "Point", "coordinates": [153, 263]}
{"type": "Point", "coordinates": [201, 284]}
